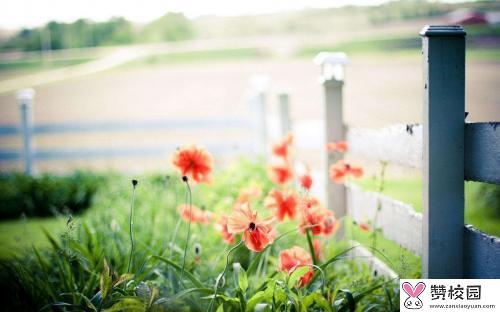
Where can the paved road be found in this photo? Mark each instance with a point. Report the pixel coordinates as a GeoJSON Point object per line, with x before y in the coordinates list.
{"type": "Point", "coordinates": [378, 92]}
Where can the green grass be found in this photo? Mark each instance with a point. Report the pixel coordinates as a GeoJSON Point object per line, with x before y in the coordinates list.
{"type": "Point", "coordinates": [38, 64]}
{"type": "Point", "coordinates": [18, 235]}
{"type": "Point", "coordinates": [215, 55]}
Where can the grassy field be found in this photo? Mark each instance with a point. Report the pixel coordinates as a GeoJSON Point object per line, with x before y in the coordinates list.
{"type": "Point", "coordinates": [215, 55]}
{"type": "Point", "coordinates": [10, 69]}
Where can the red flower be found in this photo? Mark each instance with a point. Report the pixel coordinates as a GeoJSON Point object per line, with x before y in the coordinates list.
{"type": "Point", "coordinates": [221, 226]}
{"type": "Point", "coordinates": [306, 180]}
{"type": "Point", "coordinates": [193, 162]}
{"type": "Point", "coordinates": [330, 224]}
{"type": "Point", "coordinates": [318, 220]}
{"type": "Point", "coordinates": [257, 234]}
{"type": "Point", "coordinates": [364, 227]}
{"type": "Point", "coordinates": [282, 148]}
{"type": "Point", "coordinates": [284, 203]}
{"type": "Point", "coordinates": [280, 174]}
{"type": "Point", "coordinates": [341, 169]}
{"type": "Point", "coordinates": [291, 259]}
{"type": "Point", "coordinates": [312, 219]}
{"type": "Point", "coordinates": [197, 214]}
{"type": "Point", "coordinates": [248, 193]}
{"type": "Point", "coordinates": [340, 146]}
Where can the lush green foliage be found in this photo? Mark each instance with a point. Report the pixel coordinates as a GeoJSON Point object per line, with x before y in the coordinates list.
{"type": "Point", "coordinates": [45, 195]}
{"type": "Point", "coordinates": [489, 196]}
{"type": "Point", "coordinates": [86, 267]}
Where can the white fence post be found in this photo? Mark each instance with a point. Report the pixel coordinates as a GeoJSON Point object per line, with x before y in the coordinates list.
{"type": "Point", "coordinates": [443, 151]}
{"type": "Point", "coordinates": [259, 85]}
{"type": "Point", "coordinates": [284, 111]}
{"type": "Point", "coordinates": [332, 79]}
{"type": "Point", "coordinates": [25, 101]}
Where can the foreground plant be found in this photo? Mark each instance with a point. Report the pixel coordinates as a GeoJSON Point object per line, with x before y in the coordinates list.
{"type": "Point", "coordinates": [281, 254]}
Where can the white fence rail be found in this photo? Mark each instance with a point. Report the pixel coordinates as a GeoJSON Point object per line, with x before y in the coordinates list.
{"type": "Point", "coordinates": [398, 221]}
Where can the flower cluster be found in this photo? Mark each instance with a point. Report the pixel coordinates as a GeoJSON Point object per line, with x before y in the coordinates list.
{"type": "Point", "coordinates": [282, 201]}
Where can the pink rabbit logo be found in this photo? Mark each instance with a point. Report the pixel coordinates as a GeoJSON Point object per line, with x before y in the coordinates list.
{"type": "Point", "coordinates": [413, 302]}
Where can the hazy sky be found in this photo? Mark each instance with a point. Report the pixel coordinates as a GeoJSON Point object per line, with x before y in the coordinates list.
{"type": "Point", "coordinates": [29, 13]}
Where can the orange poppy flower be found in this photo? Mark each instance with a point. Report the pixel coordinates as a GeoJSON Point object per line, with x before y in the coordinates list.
{"type": "Point", "coordinates": [193, 162]}
{"type": "Point", "coordinates": [282, 148]}
{"type": "Point", "coordinates": [197, 214]}
{"type": "Point", "coordinates": [330, 224]}
{"type": "Point", "coordinates": [257, 234]}
{"type": "Point", "coordinates": [340, 170]}
{"type": "Point", "coordinates": [340, 146]}
{"type": "Point", "coordinates": [306, 180]}
{"type": "Point", "coordinates": [284, 203]}
{"type": "Point", "coordinates": [309, 202]}
{"type": "Point", "coordinates": [280, 174]}
{"type": "Point", "coordinates": [318, 252]}
{"type": "Point", "coordinates": [364, 227]}
{"type": "Point", "coordinates": [248, 193]}
{"type": "Point", "coordinates": [291, 259]}
{"type": "Point", "coordinates": [221, 226]}
{"type": "Point", "coordinates": [312, 219]}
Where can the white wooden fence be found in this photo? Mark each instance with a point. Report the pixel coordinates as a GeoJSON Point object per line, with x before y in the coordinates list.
{"type": "Point", "coordinates": [251, 124]}
{"type": "Point", "coordinates": [448, 150]}
{"type": "Point", "coordinates": [444, 147]}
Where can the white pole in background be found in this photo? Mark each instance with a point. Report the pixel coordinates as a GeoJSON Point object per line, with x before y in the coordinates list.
{"type": "Point", "coordinates": [259, 85]}
{"type": "Point", "coordinates": [284, 111]}
{"type": "Point", "coordinates": [25, 101]}
{"type": "Point", "coordinates": [332, 79]}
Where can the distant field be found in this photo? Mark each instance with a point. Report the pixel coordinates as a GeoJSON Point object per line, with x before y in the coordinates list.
{"type": "Point", "coordinates": [9, 69]}
{"type": "Point", "coordinates": [200, 56]}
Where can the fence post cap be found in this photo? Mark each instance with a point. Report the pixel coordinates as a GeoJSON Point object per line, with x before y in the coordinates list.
{"type": "Point", "coordinates": [332, 66]}
{"type": "Point", "coordinates": [442, 31]}
{"type": "Point", "coordinates": [25, 94]}
{"type": "Point", "coordinates": [259, 82]}
{"type": "Point", "coordinates": [332, 58]}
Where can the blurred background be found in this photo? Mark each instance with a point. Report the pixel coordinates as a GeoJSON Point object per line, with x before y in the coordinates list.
{"type": "Point", "coordinates": [119, 86]}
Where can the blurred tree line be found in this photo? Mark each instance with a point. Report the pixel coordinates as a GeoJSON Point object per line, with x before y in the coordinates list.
{"type": "Point", "coordinates": [85, 33]}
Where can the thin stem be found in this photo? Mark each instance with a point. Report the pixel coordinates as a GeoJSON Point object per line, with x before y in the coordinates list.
{"type": "Point", "coordinates": [383, 166]}
{"type": "Point", "coordinates": [131, 226]}
{"type": "Point", "coordinates": [219, 278]}
{"type": "Point", "coordinates": [311, 246]}
{"type": "Point", "coordinates": [189, 226]}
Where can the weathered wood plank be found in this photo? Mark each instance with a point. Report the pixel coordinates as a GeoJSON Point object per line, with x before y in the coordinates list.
{"type": "Point", "coordinates": [377, 266]}
{"type": "Point", "coordinates": [400, 144]}
{"type": "Point", "coordinates": [398, 221]}
{"type": "Point", "coordinates": [482, 152]}
{"type": "Point", "coordinates": [481, 254]}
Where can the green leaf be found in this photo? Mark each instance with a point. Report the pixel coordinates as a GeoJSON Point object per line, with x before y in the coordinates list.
{"type": "Point", "coordinates": [296, 275]}
{"type": "Point", "coordinates": [242, 280]}
{"type": "Point", "coordinates": [190, 276]}
{"type": "Point", "coordinates": [318, 300]}
{"type": "Point", "coordinates": [220, 308]}
{"type": "Point", "coordinates": [127, 304]}
{"type": "Point", "coordinates": [184, 293]}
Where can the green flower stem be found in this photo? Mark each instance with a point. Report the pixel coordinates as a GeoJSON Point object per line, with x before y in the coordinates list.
{"type": "Point", "coordinates": [131, 226]}
{"type": "Point", "coordinates": [189, 228]}
{"type": "Point", "coordinates": [311, 246]}
{"type": "Point", "coordinates": [219, 278]}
